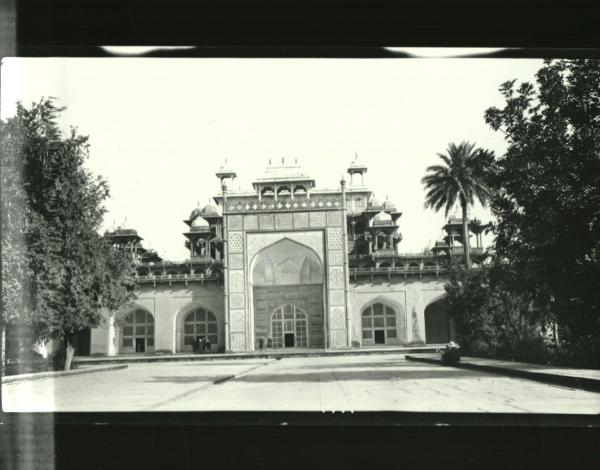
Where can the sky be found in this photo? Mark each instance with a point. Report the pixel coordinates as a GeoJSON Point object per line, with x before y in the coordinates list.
{"type": "Point", "coordinates": [160, 128]}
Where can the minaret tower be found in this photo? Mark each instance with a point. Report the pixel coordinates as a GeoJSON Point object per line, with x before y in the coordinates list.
{"type": "Point", "coordinates": [225, 174]}
{"type": "Point", "coordinates": [356, 168]}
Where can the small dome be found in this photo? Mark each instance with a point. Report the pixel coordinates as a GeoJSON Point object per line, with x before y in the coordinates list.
{"type": "Point", "coordinates": [375, 202]}
{"type": "Point", "coordinates": [195, 213]}
{"type": "Point", "coordinates": [209, 211]}
{"type": "Point", "coordinates": [382, 217]}
{"type": "Point", "coordinates": [389, 205]}
{"type": "Point", "coordinates": [199, 222]}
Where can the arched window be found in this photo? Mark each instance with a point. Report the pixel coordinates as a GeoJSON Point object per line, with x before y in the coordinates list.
{"type": "Point", "coordinates": [289, 327]}
{"type": "Point", "coordinates": [299, 191]}
{"type": "Point", "coordinates": [378, 324]}
{"type": "Point", "coordinates": [283, 191]}
{"type": "Point", "coordinates": [138, 332]}
{"type": "Point", "coordinates": [200, 322]}
{"type": "Point", "coordinates": [267, 192]}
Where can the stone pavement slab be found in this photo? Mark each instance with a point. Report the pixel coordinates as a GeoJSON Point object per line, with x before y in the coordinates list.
{"type": "Point", "coordinates": [57, 373]}
{"type": "Point", "coordinates": [136, 388]}
{"type": "Point", "coordinates": [383, 383]}
{"type": "Point", "coordinates": [586, 379]}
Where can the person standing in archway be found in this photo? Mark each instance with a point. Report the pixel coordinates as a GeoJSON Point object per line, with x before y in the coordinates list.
{"type": "Point", "coordinates": [207, 344]}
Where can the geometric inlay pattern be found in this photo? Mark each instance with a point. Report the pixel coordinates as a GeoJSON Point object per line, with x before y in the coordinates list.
{"type": "Point", "coordinates": [283, 220]}
{"type": "Point", "coordinates": [337, 317]}
{"type": "Point", "coordinates": [236, 242]}
{"type": "Point", "coordinates": [334, 218]}
{"type": "Point", "coordinates": [336, 297]}
{"type": "Point", "coordinates": [334, 238]}
{"type": "Point", "coordinates": [336, 277]}
{"type": "Point", "coordinates": [234, 222]}
{"type": "Point", "coordinates": [336, 257]}
{"type": "Point", "coordinates": [238, 341]}
{"type": "Point", "coordinates": [317, 219]}
{"type": "Point", "coordinates": [337, 338]}
{"type": "Point", "coordinates": [266, 221]}
{"type": "Point", "coordinates": [237, 317]}
{"type": "Point", "coordinates": [250, 222]}
{"type": "Point", "coordinates": [236, 281]}
{"type": "Point", "coordinates": [300, 220]}
{"type": "Point", "coordinates": [236, 260]}
{"type": "Point", "coordinates": [236, 301]}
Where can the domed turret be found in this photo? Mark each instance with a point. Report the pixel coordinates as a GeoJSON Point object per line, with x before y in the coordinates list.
{"type": "Point", "coordinates": [209, 211]}
{"type": "Point", "coordinates": [382, 218]}
{"type": "Point", "coordinates": [356, 168]}
{"type": "Point", "coordinates": [195, 213]}
{"type": "Point", "coordinates": [374, 202]}
{"type": "Point", "coordinates": [199, 224]}
{"type": "Point", "coordinates": [389, 205]}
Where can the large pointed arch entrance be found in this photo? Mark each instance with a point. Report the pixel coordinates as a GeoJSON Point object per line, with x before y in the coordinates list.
{"type": "Point", "coordinates": [439, 327]}
{"type": "Point", "coordinates": [287, 293]}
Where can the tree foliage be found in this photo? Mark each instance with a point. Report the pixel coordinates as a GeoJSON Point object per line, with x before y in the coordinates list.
{"type": "Point", "coordinates": [547, 191]}
{"type": "Point", "coordinates": [57, 270]}
{"type": "Point", "coordinates": [460, 178]}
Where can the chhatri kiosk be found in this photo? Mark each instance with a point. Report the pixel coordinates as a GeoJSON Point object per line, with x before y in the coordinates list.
{"type": "Point", "coordinates": [306, 267]}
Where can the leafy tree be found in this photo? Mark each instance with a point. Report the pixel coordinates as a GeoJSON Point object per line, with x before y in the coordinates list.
{"type": "Point", "coordinates": [461, 177]}
{"type": "Point", "coordinates": [69, 272]}
{"type": "Point", "coordinates": [494, 316]}
{"type": "Point", "coordinates": [547, 192]}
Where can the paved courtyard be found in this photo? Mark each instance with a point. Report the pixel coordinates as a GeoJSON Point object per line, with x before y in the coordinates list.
{"type": "Point", "coordinates": [343, 383]}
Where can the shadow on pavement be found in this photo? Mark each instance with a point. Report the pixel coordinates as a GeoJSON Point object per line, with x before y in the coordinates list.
{"type": "Point", "coordinates": [183, 379]}
{"type": "Point", "coordinates": [343, 375]}
{"type": "Point", "coordinates": [366, 365]}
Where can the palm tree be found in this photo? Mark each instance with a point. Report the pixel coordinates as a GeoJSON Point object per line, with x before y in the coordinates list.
{"type": "Point", "coordinates": [461, 178]}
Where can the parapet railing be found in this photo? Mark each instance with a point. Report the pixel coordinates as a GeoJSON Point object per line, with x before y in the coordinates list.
{"type": "Point", "coordinates": [179, 277]}
{"type": "Point", "coordinates": [398, 270]}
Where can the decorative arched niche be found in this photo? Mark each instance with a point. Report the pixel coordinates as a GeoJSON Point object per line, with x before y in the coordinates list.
{"type": "Point", "coordinates": [286, 262]}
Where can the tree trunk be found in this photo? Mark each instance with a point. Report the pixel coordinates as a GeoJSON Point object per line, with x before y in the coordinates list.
{"type": "Point", "coordinates": [3, 350]}
{"type": "Point", "coordinates": [466, 246]}
{"type": "Point", "coordinates": [555, 333]}
{"type": "Point", "coordinates": [69, 353]}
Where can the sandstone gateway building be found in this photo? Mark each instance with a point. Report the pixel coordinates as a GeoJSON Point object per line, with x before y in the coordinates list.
{"type": "Point", "coordinates": [306, 267]}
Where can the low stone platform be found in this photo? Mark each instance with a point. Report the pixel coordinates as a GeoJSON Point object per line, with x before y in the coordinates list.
{"type": "Point", "coordinates": [584, 379]}
{"type": "Point", "coordinates": [264, 354]}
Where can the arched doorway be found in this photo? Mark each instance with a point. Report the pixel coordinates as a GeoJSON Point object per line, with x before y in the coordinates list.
{"type": "Point", "coordinates": [200, 322]}
{"type": "Point", "coordinates": [379, 324]}
{"type": "Point", "coordinates": [287, 296]}
{"type": "Point", "coordinates": [438, 326]}
{"type": "Point", "coordinates": [289, 327]}
{"type": "Point", "coordinates": [137, 332]}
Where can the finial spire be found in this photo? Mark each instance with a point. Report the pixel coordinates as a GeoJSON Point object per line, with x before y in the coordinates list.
{"type": "Point", "coordinates": [355, 156]}
{"type": "Point", "coordinates": [282, 160]}
{"type": "Point", "coordinates": [295, 161]}
{"type": "Point", "coordinates": [269, 161]}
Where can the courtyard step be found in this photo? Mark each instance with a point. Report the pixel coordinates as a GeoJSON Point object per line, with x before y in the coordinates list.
{"type": "Point", "coordinates": [276, 354]}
